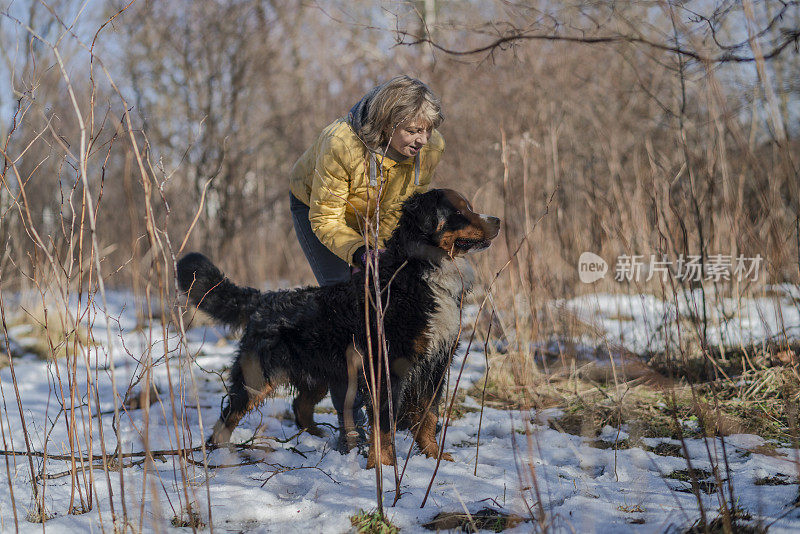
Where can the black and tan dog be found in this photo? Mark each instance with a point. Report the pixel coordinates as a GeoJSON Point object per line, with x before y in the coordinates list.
{"type": "Point", "coordinates": [306, 337]}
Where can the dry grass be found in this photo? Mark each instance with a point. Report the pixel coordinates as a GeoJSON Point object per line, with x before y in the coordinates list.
{"type": "Point", "coordinates": [484, 519]}
{"type": "Point", "coordinates": [737, 521]}
{"type": "Point", "coordinates": [372, 523]}
{"type": "Point", "coordinates": [649, 403]}
{"type": "Point", "coordinates": [189, 517]}
{"type": "Point", "coordinates": [48, 332]}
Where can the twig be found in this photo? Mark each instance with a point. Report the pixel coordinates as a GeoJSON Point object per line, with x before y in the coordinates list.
{"type": "Point", "coordinates": [483, 392]}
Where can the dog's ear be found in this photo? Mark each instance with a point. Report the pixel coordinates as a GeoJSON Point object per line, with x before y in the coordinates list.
{"type": "Point", "coordinates": [420, 212]}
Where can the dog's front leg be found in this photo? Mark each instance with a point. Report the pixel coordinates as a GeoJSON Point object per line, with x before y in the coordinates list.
{"type": "Point", "coordinates": [380, 441]}
{"type": "Point", "coordinates": [423, 427]}
{"type": "Point", "coordinates": [398, 384]}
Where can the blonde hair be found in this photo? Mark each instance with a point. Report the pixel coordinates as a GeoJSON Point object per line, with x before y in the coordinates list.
{"type": "Point", "coordinates": [401, 99]}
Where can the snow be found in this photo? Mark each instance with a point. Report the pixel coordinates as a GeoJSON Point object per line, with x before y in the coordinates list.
{"type": "Point", "coordinates": [299, 484]}
{"type": "Point", "coordinates": [645, 323]}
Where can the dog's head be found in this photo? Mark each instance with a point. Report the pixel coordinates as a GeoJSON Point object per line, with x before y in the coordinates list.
{"type": "Point", "coordinates": [445, 220]}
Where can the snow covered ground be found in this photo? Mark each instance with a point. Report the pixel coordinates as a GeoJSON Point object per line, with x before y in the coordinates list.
{"type": "Point", "coordinates": [301, 485]}
{"type": "Point", "coordinates": [645, 323]}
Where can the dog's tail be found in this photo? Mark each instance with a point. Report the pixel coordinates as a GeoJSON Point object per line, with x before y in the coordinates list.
{"type": "Point", "coordinates": [212, 292]}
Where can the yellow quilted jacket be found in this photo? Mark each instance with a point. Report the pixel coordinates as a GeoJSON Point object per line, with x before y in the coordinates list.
{"type": "Point", "coordinates": [333, 178]}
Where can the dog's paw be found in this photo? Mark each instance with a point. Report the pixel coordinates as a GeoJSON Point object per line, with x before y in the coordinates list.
{"type": "Point", "coordinates": [221, 435]}
{"type": "Point", "coordinates": [387, 458]}
{"type": "Point", "coordinates": [431, 450]}
{"type": "Point", "coordinates": [384, 461]}
{"type": "Point", "coordinates": [434, 453]}
{"type": "Point", "coordinates": [314, 430]}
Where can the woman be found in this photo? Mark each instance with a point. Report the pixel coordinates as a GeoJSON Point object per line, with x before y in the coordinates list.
{"type": "Point", "coordinates": [386, 148]}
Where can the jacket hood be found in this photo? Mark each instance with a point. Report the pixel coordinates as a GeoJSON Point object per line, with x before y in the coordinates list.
{"type": "Point", "coordinates": [357, 117]}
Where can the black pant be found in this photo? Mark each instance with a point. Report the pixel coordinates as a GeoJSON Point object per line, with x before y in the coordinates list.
{"type": "Point", "coordinates": [329, 269]}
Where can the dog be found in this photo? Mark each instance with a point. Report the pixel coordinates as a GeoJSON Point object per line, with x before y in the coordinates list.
{"type": "Point", "coordinates": [314, 336]}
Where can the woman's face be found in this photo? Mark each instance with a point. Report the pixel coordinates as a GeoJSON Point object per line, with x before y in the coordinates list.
{"type": "Point", "coordinates": [409, 138]}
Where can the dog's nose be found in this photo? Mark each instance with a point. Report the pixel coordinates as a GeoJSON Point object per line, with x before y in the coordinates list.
{"type": "Point", "coordinates": [491, 226]}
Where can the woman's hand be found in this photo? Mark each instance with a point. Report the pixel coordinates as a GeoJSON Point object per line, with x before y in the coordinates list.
{"type": "Point", "coordinates": [362, 255]}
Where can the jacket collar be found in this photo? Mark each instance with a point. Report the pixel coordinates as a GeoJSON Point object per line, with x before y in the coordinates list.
{"type": "Point", "coordinates": [388, 163]}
